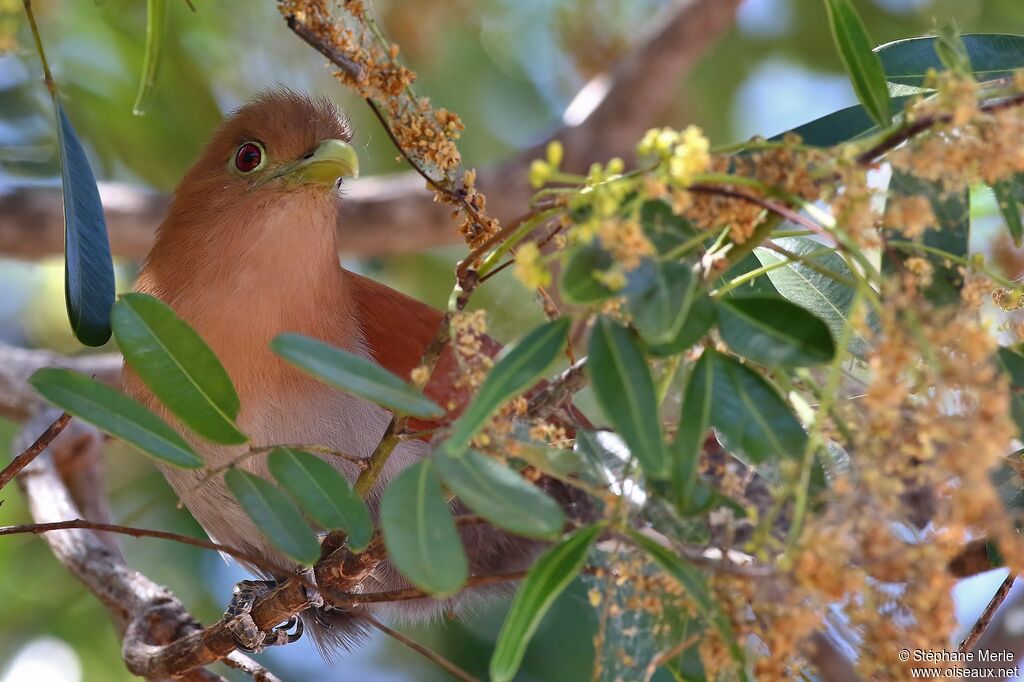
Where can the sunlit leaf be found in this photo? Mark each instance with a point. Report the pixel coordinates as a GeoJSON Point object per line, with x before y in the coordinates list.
{"type": "Point", "coordinates": [115, 414]}
{"type": "Point", "coordinates": [323, 493]}
{"type": "Point", "coordinates": [156, 25]}
{"type": "Point", "coordinates": [355, 374]}
{"type": "Point", "coordinates": [774, 332]}
{"type": "Point", "coordinates": [862, 65]}
{"type": "Point", "coordinates": [420, 533]}
{"type": "Point", "coordinates": [550, 575]}
{"type": "Point", "coordinates": [517, 368]}
{"type": "Point", "coordinates": [178, 366]}
{"type": "Point", "coordinates": [275, 515]}
{"type": "Point", "coordinates": [624, 388]}
{"type": "Point", "coordinates": [88, 268]}
{"type": "Point", "coordinates": [501, 496]}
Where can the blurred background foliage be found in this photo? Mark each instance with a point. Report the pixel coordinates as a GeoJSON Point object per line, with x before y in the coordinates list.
{"type": "Point", "coordinates": [509, 68]}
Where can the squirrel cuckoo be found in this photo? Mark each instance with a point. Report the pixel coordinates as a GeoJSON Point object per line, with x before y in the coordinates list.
{"type": "Point", "coordinates": [249, 250]}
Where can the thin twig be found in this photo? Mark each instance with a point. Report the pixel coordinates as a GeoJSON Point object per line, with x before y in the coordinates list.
{"type": "Point", "coordinates": [779, 209]}
{"type": "Point", "coordinates": [239, 661]}
{"type": "Point", "coordinates": [975, 633]}
{"type": "Point", "coordinates": [558, 392]}
{"type": "Point", "coordinates": [437, 658]}
{"type": "Point", "coordinates": [34, 450]}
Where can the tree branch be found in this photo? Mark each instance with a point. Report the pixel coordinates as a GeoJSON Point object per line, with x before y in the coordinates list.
{"type": "Point", "coordinates": [391, 213]}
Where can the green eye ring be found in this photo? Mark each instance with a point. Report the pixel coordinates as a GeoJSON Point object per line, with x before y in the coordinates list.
{"type": "Point", "coordinates": [249, 157]}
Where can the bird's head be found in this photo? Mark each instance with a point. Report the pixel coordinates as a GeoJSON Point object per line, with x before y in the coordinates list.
{"type": "Point", "coordinates": [278, 159]}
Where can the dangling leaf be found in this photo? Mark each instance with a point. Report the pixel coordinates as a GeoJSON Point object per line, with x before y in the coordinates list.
{"type": "Point", "coordinates": [624, 388]}
{"type": "Point", "coordinates": [863, 66]}
{"type": "Point", "coordinates": [323, 493]}
{"type": "Point", "coordinates": [774, 332]}
{"type": "Point", "coordinates": [178, 366]}
{"type": "Point", "coordinates": [88, 268]}
{"type": "Point", "coordinates": [275, 515]}
{"type": "Point", "coordinates": [517, 368]}
{"type": "Point", "coordinates": [552, 573]}
{"type": "Point", "coordinates": [156, 26]}
{"type": "Point", "coordinates": [694, 422]}
{"type": "Point", "coordinates": [420, 534]}
{"type": "Point", "coordinates": [354, 374]}
{"type": "Point", "coordinates": [501, 496]}
{"type": "Point", "coordinates": [115, 414]}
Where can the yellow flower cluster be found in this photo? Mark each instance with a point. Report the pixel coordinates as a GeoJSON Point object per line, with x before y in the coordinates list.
{"type": "Point", "coordinates": [529, 268]}
{"type": "Point", "coordinates": [683, 155]}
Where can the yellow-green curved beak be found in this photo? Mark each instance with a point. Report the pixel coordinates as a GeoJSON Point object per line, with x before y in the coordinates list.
{"type": "Point", "coordinates": [331, 160]}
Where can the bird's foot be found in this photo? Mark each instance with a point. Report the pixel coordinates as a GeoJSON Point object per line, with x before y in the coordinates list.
{"type": "Point", "coordinates": [238, 617]}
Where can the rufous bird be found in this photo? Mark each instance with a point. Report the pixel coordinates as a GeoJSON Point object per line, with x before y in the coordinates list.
{"type": "Point", "coordinates": [249, 250]}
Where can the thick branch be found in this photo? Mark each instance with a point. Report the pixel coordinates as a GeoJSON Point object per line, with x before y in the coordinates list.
{"type": "Point", "coordinates": [393, 214]}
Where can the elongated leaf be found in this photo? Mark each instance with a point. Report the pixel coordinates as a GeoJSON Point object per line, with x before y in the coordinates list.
{"type": "Point", "coordinates": [323, 493]}
{"type": "Point", "coordinates": [843, 125]}
{"type": "Point", "coordinates": [501, 495]}
{"type": "Point", "coordinates": [180, 369]}
{"type": "Point", "coordinates": [625, 390]}
{"type": "Point", "coordinates": [552, 573]}
{"type": "Point", "coordinates": [810, 288]}
{"type": "Point", "coordinates": [1009, 195]}
{"type": "Point", "coordinates": [863, 66]}
{"type": "Point", "coordinates": [1011, 362]}
{"type": "Point", "coordinates": [115, 414]}
{"type": "Point", "coordinates": [694, 422]}
{"type": "Point", "coordinates": [700, 318]}
{"type": "Point", "coordinates": [578, 283]}
{"type": "Point", "coordinates": [354, 374]}
{"type": "Point", "coordinates": [692, 580]}
{"type": "Point", "coordinates": [88, 269]}
{"type": "Point", "coordinates": [659, 310]}
{"type": "Point", "coordinates": [992, 55]}
{"type": "Point", "coordinates": [664, 227]}
{"type": "Point", "coordinates": [420, 534]}
{"type": "Point", "coordinates": [156, 25]}
{"type": "Point", "coordinates": [516, 369]}
{"type": "Point", "coordinates": [774, 332]}
{"type": "Point", "coordinates": [275, 515]}
{"type": "Point", "coordinates": [748, 413]}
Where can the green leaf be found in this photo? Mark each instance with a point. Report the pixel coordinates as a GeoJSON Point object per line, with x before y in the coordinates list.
{"type": "Point", "coordinates": [180, 369]}
{"type": "Point", "coordinates": [843, 125]}
{"type": "Point", "coordinates": [517, 368]}
{"type": "Point", "coordinates": [578, 284]}
{"type": "Point", "coordinates": [863, 66]}
{"type": "Point", "coordinates": [275, 515]}
{"type": "Point", "coordinates": [692, 580]}
{"type": "Point", "coordinates": [115, 414]}
{"type": "Point", "coordinates": [323, 493]}
{"type": "Point", "coordinates": [992, 55]}
{"type": "Point", "coordinates": [420, 534]}
{"type": "Point", "coordinates": [748, 413]}
{"type": "Point", "coordinates": [663, 227]}
{"type": "Point", "coordinates": [88, 269]}
{"type": "Point", "coordinates": [1009, 196]}
{"type": "Point", "coordinates": [952, 235]}
{"type": "Point", "coordinates": [501, 496]}
{"type": "Point", "coordinates": [1011, 362]}
{"type": "Point", "coordinates": [548, 578]}
{"type": "Point", "coordinates": [355, 374]}
{"type": "Point", "coordinates": [660, 309]}
{"type": "Point", "coordinates": [624, 388]}
{"type": "Point", "coordinates": [156, 25]}
{"type": "Point", "coordinates": [774, 332]}
{"type": "Point", "coordinates": [700, 318]}
{"type": "Point", "coordinates": [694, 422]}
{"type": "Point", "coordinates": [810, 288]}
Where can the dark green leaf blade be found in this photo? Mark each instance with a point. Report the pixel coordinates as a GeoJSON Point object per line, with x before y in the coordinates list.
{"type": "Point", "coordinates": [659, 310]}
{"type": "Point", "coordinates": [275, 515]}
{"type": "Point", "coordinates": [841, 126]}
{"type": "Point", "coordinates": [420, 534]}
{"type": "Point", "coordinates": [517, 368]}
{"type": "Point", "coordinates": [862, 64]}
{"type": "Point", "coordinates": [700, 318]}
{"type": "Point", "coordinates": [625, 390]}
{"type": "Point", "coordinates": [115, 414]}
{"type": "Point", "coordinates": [578, 284]}
{"type": "Point", "coordinates": [774, 332]}
{"type": "Point", "coordinates": [748, 413]}
{"type": "Point", "coordinates": [550, 575]}
{"type": "Point", "coordinates": [88, 268]}
{"type": "Point", "coordinates": [1009, 194]}
{"type": "Point", "coordinates": [354, 374]}
{"type": "Point", "coordinates": [178, 366]}
{"type": "Point", "coordinates": [693, 582]}
{"type": "Point", "coordinates": [323, 493]}
{"type": "Point", "coordinates": [992, 55]}
{"type": "Point", "coordinates": [156, 25]}
{"type": "Point", "coordinates": [694, 422]}
{"type": "Point", "coordinates": [501, 496]}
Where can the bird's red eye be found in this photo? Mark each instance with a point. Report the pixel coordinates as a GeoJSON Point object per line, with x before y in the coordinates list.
{"type": "Point", "coordinates": [248, 157]}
